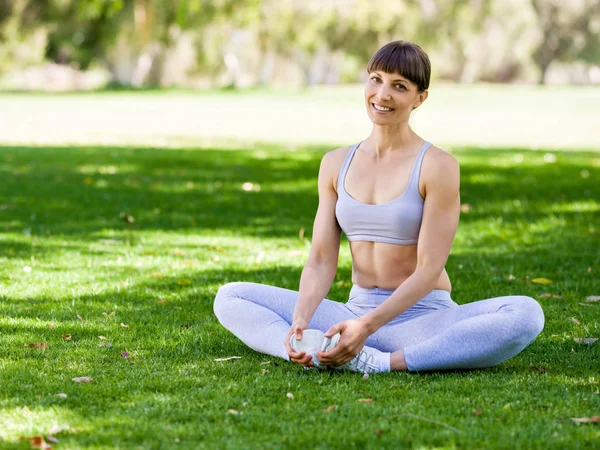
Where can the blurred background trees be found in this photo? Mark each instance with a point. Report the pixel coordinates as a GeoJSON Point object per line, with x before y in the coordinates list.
{"type": "Point", "coordinates": [241, 43]}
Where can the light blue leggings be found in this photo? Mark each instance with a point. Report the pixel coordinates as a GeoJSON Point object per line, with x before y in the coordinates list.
{"type": "Point", "coordinates": [435, 333]}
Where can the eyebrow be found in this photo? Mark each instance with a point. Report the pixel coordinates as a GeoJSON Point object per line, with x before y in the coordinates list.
{"type": "Point", "coordinates": [398, 79]}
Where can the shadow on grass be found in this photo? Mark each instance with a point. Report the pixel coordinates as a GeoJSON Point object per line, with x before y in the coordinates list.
{"type": "Point", "coordinates": [83, 191]}
{"type": "Point", "coordinates": [79, 193]}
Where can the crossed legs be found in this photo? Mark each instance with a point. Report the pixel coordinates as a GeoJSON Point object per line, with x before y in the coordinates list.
{"type": "Point", "coordinates": [478, 334]}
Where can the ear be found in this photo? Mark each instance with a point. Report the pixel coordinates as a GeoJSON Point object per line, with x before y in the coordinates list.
{"type": "Point", "coordinates": [421, 98]}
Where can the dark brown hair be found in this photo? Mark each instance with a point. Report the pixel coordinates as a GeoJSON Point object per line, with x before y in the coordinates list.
{"type": "Point", "coordinates": [405, 58]}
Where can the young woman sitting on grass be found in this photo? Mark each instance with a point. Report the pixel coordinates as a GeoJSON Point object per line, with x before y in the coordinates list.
{"type": "Point", "coordinates": [396, 197]}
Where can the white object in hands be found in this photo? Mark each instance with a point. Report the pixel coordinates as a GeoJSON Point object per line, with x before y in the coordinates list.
{"type": "Point", "coordinates": [314, 340]}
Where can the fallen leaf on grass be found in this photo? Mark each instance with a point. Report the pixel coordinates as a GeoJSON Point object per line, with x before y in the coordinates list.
{"type": "Point", "coordinates": [228, 359]}
{"type": "Point", "coordinates": [290, 395]}
{"type": "Point", "coordinates": [477, 412]}
{"type": "Point", "coordinates": [60, 428]}
{"type": "Point", "coordinates": [124, 325]}
{"type": "Point", "coordinates": [233, 411]}
{"type": "Point", "coordinates": [547, 295]}
{"type": "Point", "coordinates": [178, 252]}
{"type": "Point", "coordinates": [105, 344]}
{"type": "Point", "coordinates": [585, 340]}
{"type": "Point", "coordinates": [162, 302]}
{"type": "Point", "coordinates": [108, 315]}
{"type": "Point", "coordinates": [127, 218]}
{"type": "Point", "coordinates": [365, 400]}
{"type": "Point", "coordinates": [265, 362]}
{"type": "Point", "coordinates": [101, 337]}
{"type": "Point", "coordinates": [82, 379]}
{"type": "Point", "coordinates": [592, 419]}
{"type": "Point", "coordinates": [593, 298]}
{"type": "Point", "coordinates": [125, 355]}
{"type": "Point", "coordinates": [37, 345]}
{"type": "Point", "coordinates": [51, 325]}
{"type": "Point", "coordinates": [66, 337]}
{"type": "Point", "coordinates": [184, 282]}
{"type": "Point", "coordinates": [541, 281]}
{"type": "Point", "coordinates": [79, 318]}
{"type": "Point", "coordinates": [37, 442]}
{"type": "Point", "coordinates": [61, 395]}
{"type": "Point", "coordinates": [157, 275]}
{"type": "Point", "coordinates": [264, 371]}
{"type": "Point", "coordinates": [366, 376]}
{"type": "Point", "coordinates": [575, 321]}
{"type": "Point", "coordinates": [52, 439]}
{"type": "Point", "coordinates": [329, 408]}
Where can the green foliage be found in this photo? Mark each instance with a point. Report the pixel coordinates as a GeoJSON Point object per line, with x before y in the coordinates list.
{"type": "Point", "coordinates": [458, 32]}
{"type": "Point", "coordinates": [569, 31]}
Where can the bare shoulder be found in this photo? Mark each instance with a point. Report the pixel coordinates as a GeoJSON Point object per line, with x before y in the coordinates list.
{"type": "Point", "coordinates": [440, 169]}
{"type": "Point", "coordinates": [437, 158]}
{"type": "Point", "coordinates": [439, 162]}
{"type": "Point", "coordinates": [336, 157]}
{"type": "Point", "coordinates": [332, 162]}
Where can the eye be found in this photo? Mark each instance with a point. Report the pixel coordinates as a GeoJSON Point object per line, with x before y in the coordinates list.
{"type": "Point", "coordinates": [375, 78]}
{"type": "Point", "coordinates": [401, 86]}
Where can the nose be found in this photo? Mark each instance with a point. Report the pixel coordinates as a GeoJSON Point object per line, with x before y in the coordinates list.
{"type": "Point", "coordinates": [383, 92]}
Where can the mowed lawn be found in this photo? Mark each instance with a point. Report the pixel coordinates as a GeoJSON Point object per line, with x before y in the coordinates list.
{"type": "Point", "coordinates": [111, 257]}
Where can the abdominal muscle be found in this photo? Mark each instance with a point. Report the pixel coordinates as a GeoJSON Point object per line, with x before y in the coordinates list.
{"type": "Point", "coordinates": [386, 266]}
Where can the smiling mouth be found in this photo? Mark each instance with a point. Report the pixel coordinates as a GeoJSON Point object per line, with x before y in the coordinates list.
{"type": "Point", "coordinates": [381, 108]}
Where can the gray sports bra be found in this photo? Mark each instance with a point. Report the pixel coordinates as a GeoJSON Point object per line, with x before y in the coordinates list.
{"type": "Point", "coordinates": [395, 222]}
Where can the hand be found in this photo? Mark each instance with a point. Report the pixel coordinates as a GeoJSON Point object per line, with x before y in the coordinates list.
{"type": "Point", "coordinates": [353, 337]}
{"type": "Point", "coordinates": [297, 357]}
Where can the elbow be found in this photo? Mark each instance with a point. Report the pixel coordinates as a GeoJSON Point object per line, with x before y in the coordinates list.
{"type": "Point", "coordinates": [429, 273]}
{"type": "Point", "coordinates": [320, 264]}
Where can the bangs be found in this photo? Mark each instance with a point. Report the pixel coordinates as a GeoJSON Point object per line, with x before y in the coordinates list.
{"type": "Point", "coordinates": [405, 58]}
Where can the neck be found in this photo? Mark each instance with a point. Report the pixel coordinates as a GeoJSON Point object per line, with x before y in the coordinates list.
{"type": "Point", "coordinates": [383, 140]}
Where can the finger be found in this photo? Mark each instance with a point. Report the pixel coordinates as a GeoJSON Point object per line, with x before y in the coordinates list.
{"type": "Point", "coordinates": [297, 355]}
{"type": "Point", "coordinates": [305, 361]}
{"type": "Point", "coordinates": [337, 359]}
{"type": "Point", "coordinates": [337, 328]}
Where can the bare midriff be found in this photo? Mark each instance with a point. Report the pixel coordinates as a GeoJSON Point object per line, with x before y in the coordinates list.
{"type": "Point", "coordinates": [386, 266]}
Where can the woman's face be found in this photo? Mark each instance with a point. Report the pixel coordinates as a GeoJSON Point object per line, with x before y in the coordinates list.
{"type": "Point", "coordinates": [390, 98]}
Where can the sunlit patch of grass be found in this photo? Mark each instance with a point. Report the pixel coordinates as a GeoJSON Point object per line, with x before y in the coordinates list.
{"type": "Point", "coordinates": [195, 228]}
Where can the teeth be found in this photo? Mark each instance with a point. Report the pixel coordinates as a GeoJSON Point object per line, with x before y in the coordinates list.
{"type": "Point", "coordinates": [381, 108]}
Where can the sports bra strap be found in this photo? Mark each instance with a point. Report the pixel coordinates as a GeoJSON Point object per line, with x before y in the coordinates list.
{"type": "Point", "coordinates": [416, 171]}
{"type": "Point", "coordinates": [344, 169]}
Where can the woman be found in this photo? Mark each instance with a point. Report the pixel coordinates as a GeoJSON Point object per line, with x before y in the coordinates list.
{"type": "Point", "coordinates": [396, 197]}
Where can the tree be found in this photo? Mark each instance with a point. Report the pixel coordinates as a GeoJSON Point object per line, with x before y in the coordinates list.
{"type": "Point", "coordinates": [569, 31]}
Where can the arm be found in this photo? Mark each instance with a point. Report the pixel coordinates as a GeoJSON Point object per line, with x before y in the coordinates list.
{"type": "Point", "coordinates": [438, 228]}
{"type": "Point", "coordinates": [320, 268]}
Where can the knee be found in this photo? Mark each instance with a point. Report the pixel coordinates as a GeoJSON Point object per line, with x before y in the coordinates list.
{"type": "Point", "coordinates": [531, 317]}
{"type": "Point", "coordinates": [224, 295]}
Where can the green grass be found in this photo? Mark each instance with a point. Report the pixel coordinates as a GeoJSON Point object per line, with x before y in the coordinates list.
{"type": "Point", "coordinates": [195, 229]}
